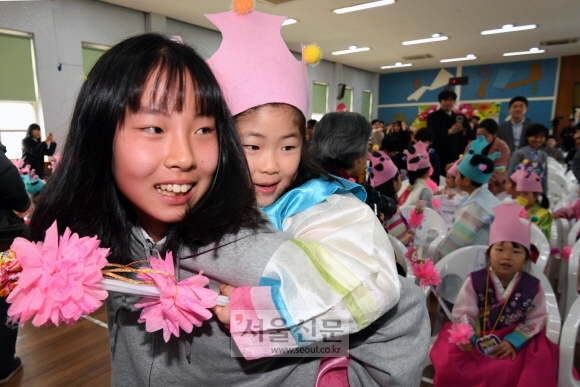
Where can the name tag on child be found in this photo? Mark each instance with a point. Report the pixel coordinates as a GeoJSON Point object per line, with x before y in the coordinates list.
{"type": "Point", "coordinates": [448, 209]}
{"type": "Point", "coordinates": [421, 231]}
{"type": "Point", "coordinates": [478, 259]}
{"type": "Point", "coordinates": [487, 344]}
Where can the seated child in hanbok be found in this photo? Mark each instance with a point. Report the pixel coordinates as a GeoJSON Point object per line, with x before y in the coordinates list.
{"type": "Point", "coordinates": [385, 177]}
{"type": "Point", "coordinates": [418, 171]}
{"type": "Point", "coordinates": [528, 179]}
{"type": "Point", "coordinates": [471, 224]}
{"type": "Point", "coordinates": [506, 307]}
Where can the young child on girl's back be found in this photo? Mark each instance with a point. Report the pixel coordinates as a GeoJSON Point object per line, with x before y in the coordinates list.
{"type": "Point", "coordinates": [535, 136]}
{"type": "Point", "coordinates": [471, 224]}
{"type": "Point", "coordinates": [506, 307]}
{"type": "Point", "coordinates": [528, 178]}
{"type": "Point", "coordinates": [302, 199]}
{"type": "Point", "coordinates": [418, 171]}
{"type": "Point", "coordinates": [163, 170]}
{"type": "Point", "coordinates": [385, 177]}
{"type": "Point", "coordinates": [451, 188]}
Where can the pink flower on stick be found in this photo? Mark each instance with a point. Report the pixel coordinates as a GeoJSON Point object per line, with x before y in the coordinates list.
{"type": "Point", "coordinates": [180, 305]}
{"type": "Point", "coordinates": [59, 281]}
{"type": "Point", "coordinates": [426, 272]}
{"type": "Point", "coordinates": [460, 333]}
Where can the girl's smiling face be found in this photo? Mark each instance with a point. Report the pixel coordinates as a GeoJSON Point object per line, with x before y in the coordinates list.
{"type": "Point", "coordinates": [273, 144]}
{"type": "Point", "coordinates": [164, 160]}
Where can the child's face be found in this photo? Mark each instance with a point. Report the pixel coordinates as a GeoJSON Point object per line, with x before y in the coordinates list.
{"type": "Point", "coordinates": [506, 260]}
{"type": "Point", "coordinates": [529, 198]}
{"type": "Point", "coordinates": [536, 141]}
{"type": "Point", "coordinates": [164, 161]}
{"type": "Point", "coordinates": [510, 189]}
{"type": "Point", "coordinates": [460, 182]}
{"type": "Point", "coordinates": [450, 181]}
{"type": "Point", "coordinates": [273, 145]}
{"type": "Point", "coordinates": [551, 143]}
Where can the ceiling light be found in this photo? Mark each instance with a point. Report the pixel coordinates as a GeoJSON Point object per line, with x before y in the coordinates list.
{"type": "Point", "coordinates": [289, 21]}
{"type": "Point", "coordinates": [352, 47]}
{"type": "Point", "coordinates": [427, 40]}
{"type": "Point", "coordinates": [468, 57]}
{"type": "Point", "coordinates": [435, 35]}
{"type": "Point", "coordinates": [363, 6]}
{"type": "Point", "coordinates": [351, 50]}
{"type": "Point", "coordinates": [534, 50]}
{"type": "Point", "coordinates": [396, 65]}
{"type": "Point", "coordinates": [509, 28]}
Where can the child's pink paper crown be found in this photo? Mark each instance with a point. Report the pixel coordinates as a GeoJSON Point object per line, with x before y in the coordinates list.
{"type": "Point", "coordinates": [453, 170]}
{"type": "Point", "coordinates": [382, 168]}
{"type": "Point", "coordinates": [417, 157]}
{"type": "Point", "coordinates": [509, 227]}
{"type": "Point", "coordinates": [253, 64]}
{"type": "Point", "coordinates": [528, 177]}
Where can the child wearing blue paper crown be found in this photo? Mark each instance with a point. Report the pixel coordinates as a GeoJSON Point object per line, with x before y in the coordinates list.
{"type": "Point", "coordinates": [506, 308]}
{"type": "Point", "coordinates": [471, 224]}
{"type": "Point", "coordinates": [300, 198]}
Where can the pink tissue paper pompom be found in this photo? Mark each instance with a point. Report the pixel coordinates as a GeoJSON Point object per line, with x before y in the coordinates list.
{"type": "Point", "coordinates": [60, 280]}
{"type": "Point", "coordinates": [180, 305]}
{"type": "Point", "coordinates": [432, 185]}
{"type": "Point", "coordinates": [427, 273]}
{"type": "Point", "coordinates": [566, 251]}
{"type": "Point", "coordinates": [415, 219]}
{"type": "Point", "coordinates": [436, 204]}
{"type": "Point", "coordinates": [460, 333]}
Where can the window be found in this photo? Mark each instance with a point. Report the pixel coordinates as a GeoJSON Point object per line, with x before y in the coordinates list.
{"type": "Point", "coordinates": [17, 90]}
{"type": "Point", "coordinates": [367, 104]}
{"type": "Point", "coordinates": [347, 99]}
{"type": "Point", "coordinates": [319, 100]}
{"type": "Point", "coordinates": [91, 54]}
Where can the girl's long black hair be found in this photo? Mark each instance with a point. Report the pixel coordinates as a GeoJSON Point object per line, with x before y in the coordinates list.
{"type": "Point", "coordinates": [82, 194]}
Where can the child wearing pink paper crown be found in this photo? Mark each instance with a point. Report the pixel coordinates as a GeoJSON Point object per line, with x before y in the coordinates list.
{"type": "Point", "coordinates": [385, 177]}
{"type": "Point", "coordinates": [529, 187]}
{"type": "Point", "coordinates": [418, 171]}
{"type": "Point", "coordinates": [506, 307]}
{"type": "Point", "coordinates": [163, 171]}
{"type": "Point", "coordinates": [354, 251]}
{"type": "Point", "coordinates": [471, 223]}
{"type": "Point", "coordinates": [451, 188]}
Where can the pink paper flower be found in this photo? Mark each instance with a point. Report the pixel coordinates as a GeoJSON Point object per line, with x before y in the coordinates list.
{"type": "Point", "coordinates": [59, 280]}
{"type": "Point", "coordinates": [426, 272]}
{"type": "Point", "coordinates": [566, 251]}
{"type": "Point", "coordinates": [432, 185]}
{"type": "Point", "coordinates": [415, 218]}
{"type": "Point", "coordinates": [460, 333]}
{"type": "Point", "coordinates": [180, 305]}
{"type": "Point", "coordinates": [436, 204]}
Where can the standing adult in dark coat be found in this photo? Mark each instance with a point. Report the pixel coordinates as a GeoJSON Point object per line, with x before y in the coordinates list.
{"type": "Point", "coordinates": [513, 131]}
{"type": "Point", "coordinates": [34, 150]}
{"type": "Point", "coordinates": [450, 137]}
{"type": "Point", "coordinates": [13, 197]}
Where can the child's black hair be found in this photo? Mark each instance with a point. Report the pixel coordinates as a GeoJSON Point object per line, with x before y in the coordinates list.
{"type": "Point", "coordinates": [545, 202]}
{"type": "Point", "coordinates": [414, 175]}
{"type": "Point", "coordinates": [536, 129]}
{"type": "Point", "coordinates": [425, 135]}
{"type": "Point", "coordinates": [473, 183]}
{"type": "Point", "coordinates": [83, 195]}
{"type": "Point", "coordinates": [490, 125]}
{"type": "Point", "coordinates": [388, 188]}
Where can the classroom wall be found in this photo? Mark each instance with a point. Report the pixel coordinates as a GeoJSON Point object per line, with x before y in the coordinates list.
{"type": "Point", "coordinates": [488, 92]}
{"type": "Point", "coordinates": [61, 26]}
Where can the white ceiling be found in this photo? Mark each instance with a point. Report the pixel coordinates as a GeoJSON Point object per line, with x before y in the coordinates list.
{"type": "Point", "coordinates": [384, 28]}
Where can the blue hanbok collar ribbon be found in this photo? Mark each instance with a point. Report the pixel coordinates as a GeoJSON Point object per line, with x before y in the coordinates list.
{"type": "Point", "coordinates": [309, 194]}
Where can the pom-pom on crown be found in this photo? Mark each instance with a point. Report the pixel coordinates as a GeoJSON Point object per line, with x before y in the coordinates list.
{"type": "Point", "coordinates": [534, 218]}
{"type": "Point", "coordinates": [312, 54]}
{"type": "Point", "coordinates": [242, 7]}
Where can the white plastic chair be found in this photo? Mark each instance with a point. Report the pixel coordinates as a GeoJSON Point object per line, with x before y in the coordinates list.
{"type": "Point", "coordinates": [568, 346]}
{"type": "Point", "coordinates": [400, 251]}
{"type": "Point", "coordinates": [545, 262]}
{"type": "Point", "coordinates": [436, 232]}
{"type": "Point", "coordinates": [557, 179]}
{"type": "Point", "coordinates": [571, 295]}
{"type": "Point", "coordinates": [555, 194]}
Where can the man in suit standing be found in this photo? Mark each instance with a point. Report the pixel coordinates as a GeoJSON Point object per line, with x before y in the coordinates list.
{"type": "Point", "coordinates": [451, 136]}
{"type": "Point", "coordinates": [513, 131]}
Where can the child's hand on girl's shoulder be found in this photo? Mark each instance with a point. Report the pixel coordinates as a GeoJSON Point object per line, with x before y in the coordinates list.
{"type": "Point", "coordinates": [503, 350]}
{"type": "Point", "coordinates": [223, 312]}
{"type": "Point", "coordinates": [465, 347]}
